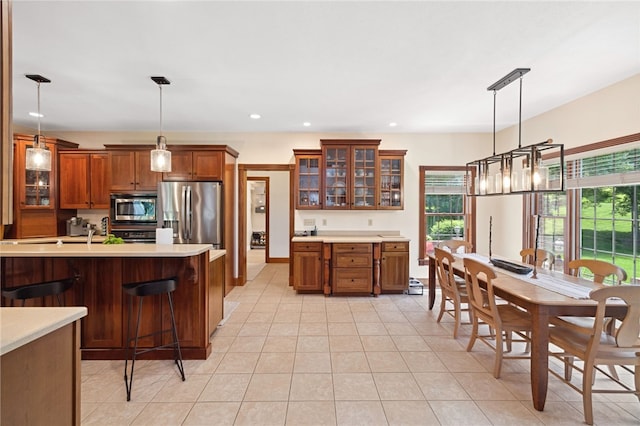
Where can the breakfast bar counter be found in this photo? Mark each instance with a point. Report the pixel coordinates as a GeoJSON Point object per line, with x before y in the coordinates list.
{"type": "Point", "coordinates": [100, 270]}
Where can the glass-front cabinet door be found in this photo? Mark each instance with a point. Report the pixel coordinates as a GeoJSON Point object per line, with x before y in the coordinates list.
{"type": "Point", "coordinates": [336, 177]}
{"type": "Point", "coordinates": [37, 189]}
{"type": "Point", "coordinates": [364, 177]}
{"type": "Point", "coordinates": [308, 180]}
{"type": "Point", "coordinates": [391, 182]}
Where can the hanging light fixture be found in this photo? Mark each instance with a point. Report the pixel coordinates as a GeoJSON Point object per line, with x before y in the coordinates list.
{"type": "Point", "coordinates": [38, 157]}
{"type": "Point", "coordinates": [520, 170]}
{"type": "Point", "coordinates": [161, 156]}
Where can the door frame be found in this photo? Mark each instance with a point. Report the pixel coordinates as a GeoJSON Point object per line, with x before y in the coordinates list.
{"type": "Point", "coordinates": [242, 210]}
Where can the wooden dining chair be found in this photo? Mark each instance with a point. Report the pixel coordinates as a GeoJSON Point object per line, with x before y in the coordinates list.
{"type": "Point", "coordinates": [600, 270]}
{"type": "Point", "coordinates": [545, 258]}
{"type": "Point", "coordinates": [453, 291]}
{"type": "Point", "coordinates": [594, 346]}
{"type": "Point", "coordinates": [454, 246]}
{"type": "Point", "coordinates": [505, 319]}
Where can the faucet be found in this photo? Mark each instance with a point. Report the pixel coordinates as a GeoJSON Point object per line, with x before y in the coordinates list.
{"type": "Point", "coordinates": [92, 231]}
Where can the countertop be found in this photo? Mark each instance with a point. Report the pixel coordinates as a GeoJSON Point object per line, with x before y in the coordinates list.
{"type": "Point", "coordinates": [214, 254]}
{"type": "Point", "coordinates": [19, 326]}
{"type": "Point", "coordinates": [104, 250]}
{"type": "Point", "coordinates": [49, 240]}
{"type": "Point", "coordinates": [350, 239]}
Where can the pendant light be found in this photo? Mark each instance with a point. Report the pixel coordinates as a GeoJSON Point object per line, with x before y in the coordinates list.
{"type": "Point", "coordinates": [38, 157]}
{"type": "Point", "coordinates": [161, 156]}
{"type": "Point", "coordinates": [520, 170]}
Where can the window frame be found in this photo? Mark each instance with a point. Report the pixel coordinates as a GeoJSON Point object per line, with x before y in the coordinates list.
{"type": "Point", "coordinates": [469, 203]}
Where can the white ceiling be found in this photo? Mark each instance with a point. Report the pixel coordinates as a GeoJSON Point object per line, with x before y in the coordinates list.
{"type": "Point", "coordinates": [342, 66]}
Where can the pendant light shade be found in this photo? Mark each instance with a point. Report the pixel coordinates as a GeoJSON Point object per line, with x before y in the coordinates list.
{"type": "Point", "coordinates": [161, 156]}
{"type": "Point", "coordinates": [38, 157]}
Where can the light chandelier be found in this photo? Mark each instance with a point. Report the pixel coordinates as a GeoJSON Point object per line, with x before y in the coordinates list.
{"type": "Point", "coordinates": [38, 157]}
{"type": "Point", "coordinates": [161, 156]}
{"type": "Point", "coordinates": [520, 170]}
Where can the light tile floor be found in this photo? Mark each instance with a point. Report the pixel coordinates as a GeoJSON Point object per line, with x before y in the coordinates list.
{"type": "Point", "coordinates": [288, 359]}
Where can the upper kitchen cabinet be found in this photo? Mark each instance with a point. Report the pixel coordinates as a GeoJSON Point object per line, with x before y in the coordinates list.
{"type": "Point", "coordinates": [84, 179]}
{"type": "Point", "coordinates": [308, 178]}
{"type": "Point", "coordinates": [391, 175]}
{"type": "Point", "coordinates": [198, 164]}
{"type": "Point", "coordinates": [350, 173]}
{"type": "Point", "coordinates": [131, 169]}
{"type": "Point", "coordinates": [36, 208]}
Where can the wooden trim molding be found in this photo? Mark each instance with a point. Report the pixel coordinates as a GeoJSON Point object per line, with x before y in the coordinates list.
{"type": "Point", "coordinates": [6, 117]}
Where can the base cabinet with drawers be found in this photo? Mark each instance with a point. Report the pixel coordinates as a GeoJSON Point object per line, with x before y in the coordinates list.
{"type": "Point", "coordinates": [349, 268]}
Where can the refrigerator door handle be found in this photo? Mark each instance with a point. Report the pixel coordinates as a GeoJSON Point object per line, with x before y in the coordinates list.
{"type": "Point", "coordinates": [189, 214]}
{"type": "Point", "coordinates": [183, 216]}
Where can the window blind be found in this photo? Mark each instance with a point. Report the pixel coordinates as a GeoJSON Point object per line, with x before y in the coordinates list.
{"type": "Point", "coordinates": [610, 169]}
{"type": "Point", "coordinates": [445, 182]}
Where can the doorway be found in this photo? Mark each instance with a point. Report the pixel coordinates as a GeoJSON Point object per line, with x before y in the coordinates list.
{"type": "Point", "coordinates": [257, 224]}
{"type": "Point", "coordinates": [283, 210]}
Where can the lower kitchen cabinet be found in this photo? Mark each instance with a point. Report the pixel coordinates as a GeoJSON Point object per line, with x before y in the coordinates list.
{"type": "Point", "coordinates": [307, 266]}
{"type": "Point", "coordinates": [394, 269]}
{"type": "Point", "coordinates": [352, 268]}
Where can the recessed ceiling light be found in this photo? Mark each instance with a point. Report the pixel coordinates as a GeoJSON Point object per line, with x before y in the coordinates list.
{"type": "Point", "coordinates": [255, 116]}
{"type": "Point", "coordinates": [35, 114]}
{"type": "Point", "coordinates": [393, 124]}
{"type": "Point", "coordinates": [306, 124]}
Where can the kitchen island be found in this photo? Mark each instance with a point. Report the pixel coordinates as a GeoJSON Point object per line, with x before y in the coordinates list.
{"type": "Point", "coordinates": [40, 365]}
{"type": "Point", "coordinates": [101, 270]}
{"type": "Point", "coordinates": [350, 264]}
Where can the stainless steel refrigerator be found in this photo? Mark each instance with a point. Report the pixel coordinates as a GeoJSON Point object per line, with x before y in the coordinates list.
{"type": "Point", "coordinates": [193, 210]}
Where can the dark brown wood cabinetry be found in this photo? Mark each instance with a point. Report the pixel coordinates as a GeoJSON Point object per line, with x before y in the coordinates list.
{"type": "Point", "coordinates": [394, 268]}
{"type": "Point", "coordinates": [37, 212]}
{"type": "Point", "coordinates": [349, 175]}
{"type": "Point", "coordinates": [307, 266]}
{"type": "Point", "coordinates": [131, 169]}
{"type": "Point", "coordinates": [84, 180]}
{"type": "Point", "coordinates": [199, 165]}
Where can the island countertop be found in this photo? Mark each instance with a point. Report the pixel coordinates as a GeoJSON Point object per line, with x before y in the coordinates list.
{"type": "Point", "coordinates": [19, 326]}
{"type": "Point", "coordinates": [104, 250]}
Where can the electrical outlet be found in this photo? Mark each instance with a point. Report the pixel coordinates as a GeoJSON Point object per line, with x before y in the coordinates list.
{"type": "Point", "coordinates": [309, 222]}
{"type": "Point", "coordinates": [324, 222]}
{"type": "Point", "coordinates": [370, 222]}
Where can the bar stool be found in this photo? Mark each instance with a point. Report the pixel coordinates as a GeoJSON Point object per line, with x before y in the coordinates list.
{"type": "Point", "coordinates": [141, 290]}
{"type": "Point", "coordinates": [32, 291]}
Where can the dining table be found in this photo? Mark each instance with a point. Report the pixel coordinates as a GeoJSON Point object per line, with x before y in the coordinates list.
{"type": "Point", "coordinates": [551, 294]}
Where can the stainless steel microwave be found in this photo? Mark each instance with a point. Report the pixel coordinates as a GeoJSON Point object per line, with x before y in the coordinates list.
{"type": "Point", "coordinates": [133, 208]}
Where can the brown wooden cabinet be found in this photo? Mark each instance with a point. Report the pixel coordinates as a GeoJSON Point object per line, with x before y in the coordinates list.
{"type": "Point", "coordinates": [394, 268]}
{"type": "Point", "coordinates": [196, 165]}
{"type": "Point", "coordinates": [131, 169]}
{"type": "Point", "coordinates": [36, 208]}
{"type": "Point", "coordinates": [349, 174]}
{"type": "Point", "coordinates": [84, 180]}
{"type": "Point", "coordinates": [352, 268]}
{"type": "Point", "coordinates": [307, 266]}
{"type": "Point", "coordinates": [391, 178]}
{"type": "Point", "coordinates": [308, 179]}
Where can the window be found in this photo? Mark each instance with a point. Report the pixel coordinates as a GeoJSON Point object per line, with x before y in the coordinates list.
{"type": "Point", "coordinates": [446, 212]}
{"type": "Point", "coordinates": [600, 210]}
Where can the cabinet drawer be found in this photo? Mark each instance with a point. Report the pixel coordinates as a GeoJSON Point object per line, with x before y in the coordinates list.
{"type": "Point", "coordinates": [352, 248]}
{"type": "Point", "coordinates": [352, 280]}
{"type": "Point", "coordinates": [355, 260]}
{"type": "Point", "coordinates": [395, 246]}
{"type": "Point", "coordinates": [307, 246]}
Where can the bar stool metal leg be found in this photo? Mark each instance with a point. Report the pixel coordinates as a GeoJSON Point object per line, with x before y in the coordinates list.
{"type": "Point", "coordinates": [177, 354]}
{"type": "Point", "coordinates": [129, 383]}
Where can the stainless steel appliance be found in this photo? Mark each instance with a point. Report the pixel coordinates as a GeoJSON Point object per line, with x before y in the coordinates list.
{"type": "Point", "coordinates": [78, 227]}
{"type": "Point", "coordinates": [193, 210]}
{"type": "Point", "coordinates": [133, 209]}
